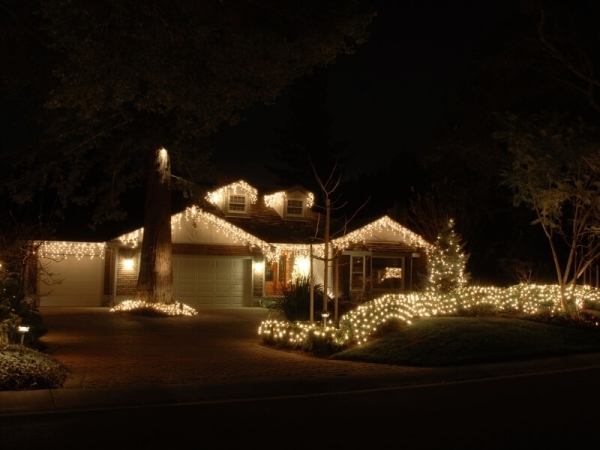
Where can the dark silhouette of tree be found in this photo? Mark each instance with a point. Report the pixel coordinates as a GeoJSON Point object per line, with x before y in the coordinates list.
{"type": "Point", "coordinates": [307, 135]}
{"type": "Point", "coordinates": [124, 80]}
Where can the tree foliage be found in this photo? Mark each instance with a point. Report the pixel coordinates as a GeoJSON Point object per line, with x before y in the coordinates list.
{"type": "Point", "coordinates": [126, 79]}
{"type": "Point", "coordinates": [556, 172]}
{"type": "Point", "coordinates": [446, 262]}
{"type": "Point", "coordinates": [122, 77]}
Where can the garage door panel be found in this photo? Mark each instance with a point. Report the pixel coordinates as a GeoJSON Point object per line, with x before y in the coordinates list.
{"type": "Point", "coordinates": [203, 281]}
{"type": "Point", "coordinates": [220, 276]}
{"type": "Point", "coordinates": [81, 282]}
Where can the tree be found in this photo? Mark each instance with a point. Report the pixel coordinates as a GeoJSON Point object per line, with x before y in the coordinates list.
{"type": "Point", "coordinates": [127, 79]}
{"type": "Point", "coordinates": [570, 40]}
{"type": "Point", "coordinates": [446, 262]}
{"type": "Point", "coordinates": [556, 172]}
{"type": "Point", "coordinates": [306, 136]}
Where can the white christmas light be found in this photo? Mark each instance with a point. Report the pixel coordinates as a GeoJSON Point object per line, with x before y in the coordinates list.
{"type": "Point", "coordinates": [217, 196]}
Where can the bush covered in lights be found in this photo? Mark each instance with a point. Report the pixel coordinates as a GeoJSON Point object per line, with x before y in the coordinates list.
{"type": "Point", "coordinates": [154, 309]}
{"type": "Point", "coordinates": [361, 324]}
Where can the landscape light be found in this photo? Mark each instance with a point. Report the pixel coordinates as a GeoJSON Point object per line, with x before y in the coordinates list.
{"type": "Point", "coordinates": [22, 331]}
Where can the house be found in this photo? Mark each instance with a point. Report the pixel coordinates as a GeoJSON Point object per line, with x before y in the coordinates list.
{"type": "Point", "coordinates": [236, 249]}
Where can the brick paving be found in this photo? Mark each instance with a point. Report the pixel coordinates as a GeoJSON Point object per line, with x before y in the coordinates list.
{"type": "Point", "coordinates": [104, 349]}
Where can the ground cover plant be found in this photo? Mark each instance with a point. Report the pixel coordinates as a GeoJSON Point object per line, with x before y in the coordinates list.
{"type": "Point", "coordinates": [536, 303]}
{"type": "Point", "coordinates": [22, 368]}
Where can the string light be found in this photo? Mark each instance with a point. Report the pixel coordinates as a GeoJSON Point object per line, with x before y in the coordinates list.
{"type": "Point", "coordinates": [173, 309]}
{"type": "Point", "coordinates": [56, 250]}
{"type": "Point", "coordinates": [384, 224]}
{"type": "Point", "coordinates": [359, 325]}
{"type": "Point", "coordinates": [216, 197]}
{"type": "Point", "coordinates": [278, 199]}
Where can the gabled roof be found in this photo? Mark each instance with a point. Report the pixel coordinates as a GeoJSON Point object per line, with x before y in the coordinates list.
{"type": "Point", "coordinates": [264, 223]}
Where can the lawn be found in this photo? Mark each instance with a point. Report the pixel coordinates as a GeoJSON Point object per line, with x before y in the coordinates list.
{"type": "Point", "coordinates": [441, 341]}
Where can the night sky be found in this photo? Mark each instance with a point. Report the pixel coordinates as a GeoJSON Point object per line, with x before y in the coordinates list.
{"type": "Point", "coordinates": [387, 97]}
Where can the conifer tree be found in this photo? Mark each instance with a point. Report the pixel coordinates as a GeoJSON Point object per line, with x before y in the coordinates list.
{"type": "Point", "coordinates": [447, 262]}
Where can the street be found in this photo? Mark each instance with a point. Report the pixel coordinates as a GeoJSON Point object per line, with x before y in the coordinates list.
{"type": "Point", "coordinates": [557, 409]}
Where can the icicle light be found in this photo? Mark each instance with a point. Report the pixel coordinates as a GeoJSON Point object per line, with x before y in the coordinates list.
{"type": "Point", "coordinates": [385, 224]}
{"type": "Point", "coordinates": [278, 198]}
{"type": "Point", "coordinates": [56, 250]}
{"type": "Point", "coordinates": [216, 197]}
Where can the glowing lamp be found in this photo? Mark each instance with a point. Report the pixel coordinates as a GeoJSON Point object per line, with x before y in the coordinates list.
{"type": "Point", "coordinates": [259, 267]}
{"type": "Point", "coordinates": [22, 331]}
{"type": "Point", "coordinates": [128, 264]}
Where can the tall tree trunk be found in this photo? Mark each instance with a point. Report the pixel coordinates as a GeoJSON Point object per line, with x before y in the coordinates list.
{"type": "Point", "coordinates": [155, 280]}
{"type": "Point", "coordinates": [326, 254]}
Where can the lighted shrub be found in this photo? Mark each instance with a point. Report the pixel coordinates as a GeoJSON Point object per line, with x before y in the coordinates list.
{"type": "Point", "coordinates": [364, 322]}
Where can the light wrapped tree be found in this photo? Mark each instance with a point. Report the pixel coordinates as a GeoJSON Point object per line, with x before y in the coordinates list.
{"type": "Point", "coordinates": [556, 173]}
{"type": "Point", "coordinates": [447, 262]}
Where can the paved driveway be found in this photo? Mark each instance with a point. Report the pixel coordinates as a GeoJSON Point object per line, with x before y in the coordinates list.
{"type": "Point", "coordinates": [105, 349]}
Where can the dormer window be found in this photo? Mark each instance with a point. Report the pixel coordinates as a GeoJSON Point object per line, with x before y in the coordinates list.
{"type": "Point", "coordinates": [294, 207]}
{"type": "Point", "coordinates": [237, 203]}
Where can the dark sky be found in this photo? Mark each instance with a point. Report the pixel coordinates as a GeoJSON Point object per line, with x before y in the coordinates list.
{"type": "Point", "coordinates": [385, 98]}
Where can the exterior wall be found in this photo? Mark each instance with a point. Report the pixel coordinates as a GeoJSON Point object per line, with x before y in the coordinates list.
{"type": "Point", "coordinates": [216, 250]}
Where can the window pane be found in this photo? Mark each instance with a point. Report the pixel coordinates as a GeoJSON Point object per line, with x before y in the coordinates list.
{"type": "Point", "coordinates": [294, 207]}
{"type": "Point", "coordinates": [269, 272]}
{"type": "Point", "coordinates": [387, 273]}
{"type": "Point", "coordinates": [357, 275]}
{"type": "Point", "coordinates": [237, 203]}
{"type": "Point", "coordinates": [282, 269]}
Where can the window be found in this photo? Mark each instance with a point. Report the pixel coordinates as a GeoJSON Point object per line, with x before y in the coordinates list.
{"type": "Point", "coordinates": [387, 273]}
{"type": "Point", "coordinates": [282, 264]}
{"type": "Point", "coordinates": [357, 273]}
{"type": "Point", "coordinates": [237, 203]}
{"type": "Point", "coordinates": [294, 207]}
{"type": "Point", "coordinates": [270, 272]}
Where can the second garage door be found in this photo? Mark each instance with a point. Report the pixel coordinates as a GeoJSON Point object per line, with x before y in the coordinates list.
{"type": "Point", "coordinates": [221, 282]}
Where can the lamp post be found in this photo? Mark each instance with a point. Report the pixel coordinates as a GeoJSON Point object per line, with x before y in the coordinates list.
{"type": "Point", "coordinates": [22, 331]}
{"type": "Point", "coordinates": [325, 315]}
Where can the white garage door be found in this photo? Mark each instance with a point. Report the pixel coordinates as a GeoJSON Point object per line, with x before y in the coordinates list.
{"type": "Point", "coordinates": [221, 282]}
{"type": "Point", "coordinates": [79, 282]}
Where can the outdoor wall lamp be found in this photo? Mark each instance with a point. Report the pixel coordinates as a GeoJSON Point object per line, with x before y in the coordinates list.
{"type": "Point", "coordinates": [22, 331]}
{"type": "Point", "coordinates": [128, 264]}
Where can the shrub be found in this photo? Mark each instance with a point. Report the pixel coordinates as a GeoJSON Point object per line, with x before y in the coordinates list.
{"type": "Point", "coordinates": [294, 304]}
{"type": "Point", "coordinates": [24, 369]}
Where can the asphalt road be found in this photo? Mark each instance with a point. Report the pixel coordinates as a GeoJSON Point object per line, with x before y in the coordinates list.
{"type": "Point", "coordinates": [554, 410]}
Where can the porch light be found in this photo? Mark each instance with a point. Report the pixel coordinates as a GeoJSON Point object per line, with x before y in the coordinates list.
{"type": "Point", "coordinates": [259, 267]}
{"type": "Point", "coordinates": [22, 331]}
{"type": "Point", "coordinates": [302, 265]}
{"type": "Point", "coordinates": [128, 264]}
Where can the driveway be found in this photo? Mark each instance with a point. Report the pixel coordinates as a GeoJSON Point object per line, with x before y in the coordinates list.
{"type": "Point", "coordinates": [104, 349]}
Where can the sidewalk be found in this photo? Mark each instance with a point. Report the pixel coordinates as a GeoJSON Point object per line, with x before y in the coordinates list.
{"type": "Point", "coordinates": [128, 361]}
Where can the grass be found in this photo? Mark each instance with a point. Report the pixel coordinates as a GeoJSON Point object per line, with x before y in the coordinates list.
{"type": "Point", "coordinates": [442, 341]}
{"type": "Point", "coordinates": [22, 368]}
